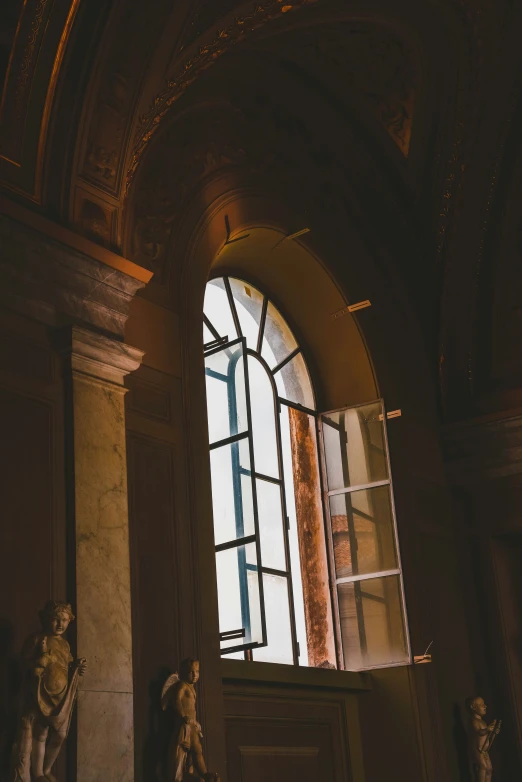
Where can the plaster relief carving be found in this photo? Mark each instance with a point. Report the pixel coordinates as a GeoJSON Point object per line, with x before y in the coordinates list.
{"type": "Point", "coordinates": [208, 53]}
{"type": "Point", "coordinates": [205, 14]}
{"type": "Point", "coordinates": [190, 151]}
{"type": "Point", "coordinates": [119, 79]}
{"type": "Point", "coordinates": [370, 59]}
{"type": "Point", "coordinates": [94, 222]}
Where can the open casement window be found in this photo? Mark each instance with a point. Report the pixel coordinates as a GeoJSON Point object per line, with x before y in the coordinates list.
{"type": "Point", "coordinates": [256, 379]}
{"type": "Point", "coordinates": [273, 559]}
{"type": "Point", "coordinates": [234, 498]}
{"type": "Point", "coordinates": [365, 560]}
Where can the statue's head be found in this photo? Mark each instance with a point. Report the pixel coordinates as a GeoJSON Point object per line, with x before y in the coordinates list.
{"type": "Point", "coordinates": [476, 705]}
{"type": "Point", "coordinates": [56, 617]}
{"type": "Point", "coordinates": [189, 670]}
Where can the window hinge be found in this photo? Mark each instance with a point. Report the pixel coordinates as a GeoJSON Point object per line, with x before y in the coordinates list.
{"type": "Point", "coordinates": [298, 649]}
{"type": "Point", "coordinates": [391, 414]}
{"type": "Point", "coordinates": [361, 305]}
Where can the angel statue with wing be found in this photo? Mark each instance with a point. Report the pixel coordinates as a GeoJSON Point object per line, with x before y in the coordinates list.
{"type": "Point", "coordinates": [185, 758]}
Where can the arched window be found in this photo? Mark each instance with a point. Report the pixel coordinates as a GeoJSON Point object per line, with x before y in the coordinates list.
{"type": "Point", "coordinates": [266, 488]}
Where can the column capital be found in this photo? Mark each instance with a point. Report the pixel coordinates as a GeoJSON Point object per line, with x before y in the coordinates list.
{"type": "Point", "coordinates": [96, 356]}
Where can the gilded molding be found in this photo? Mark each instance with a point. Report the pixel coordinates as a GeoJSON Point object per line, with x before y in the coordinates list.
{"type": "Point", "coordinates": [204, 57]}
{"type": "Point", "coordinates": [25, 60]}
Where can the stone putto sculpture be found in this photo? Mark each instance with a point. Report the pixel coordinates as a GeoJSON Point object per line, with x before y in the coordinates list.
{"type": "Point", "coordinates": [185, 756]}
{"type": "Point", "coordinates": [481, 737]}
{"type": "Point", "coordinates": [50, 684]}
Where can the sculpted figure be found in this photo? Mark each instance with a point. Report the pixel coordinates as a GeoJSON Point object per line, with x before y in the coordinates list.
{"type": "Point", "coordinates": [50, 684]}
{"type": "Point", "coordinates": [185, 759]}
{"type": "Point", "coordinates": [481, 737]}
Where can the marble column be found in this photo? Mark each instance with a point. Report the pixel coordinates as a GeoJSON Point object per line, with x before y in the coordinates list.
{"type": "Point", "coordinates": [95, 367]}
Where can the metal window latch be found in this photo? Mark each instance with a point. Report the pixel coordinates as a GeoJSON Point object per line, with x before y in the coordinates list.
{"type": "Point", "coordinates": [215, 343]}
{"type": "Point", "coordinates": [229, 635]}
{"type": "Point", "coordinates": [420, 659]}
{"type": "Point", "coordinates": [360, 305]}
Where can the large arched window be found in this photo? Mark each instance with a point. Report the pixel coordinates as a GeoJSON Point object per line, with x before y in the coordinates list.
{"type": "Point", "coordinates": [266, 488]}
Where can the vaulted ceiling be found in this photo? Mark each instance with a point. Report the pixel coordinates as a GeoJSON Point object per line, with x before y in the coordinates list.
{"type": "Point", "coordinates": [403, 117]}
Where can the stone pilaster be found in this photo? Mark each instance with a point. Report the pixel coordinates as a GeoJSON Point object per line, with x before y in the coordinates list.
{"type": "Point", "coordinates": [95, 367]}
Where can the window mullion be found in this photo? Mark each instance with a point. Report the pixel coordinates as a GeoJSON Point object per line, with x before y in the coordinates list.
{"type": "Point", "coordinates": [368, 576]}
{"type": "Point", "coordinates": [262, 325]}
{"type": "Point", "coordinates": [233, 309]}
{"type": "Point", "coordinates": [254, 496]}
{"type": "Point", "coordinates": [277, 417]}
{"type": "Point", "coordinates": [358, 487]}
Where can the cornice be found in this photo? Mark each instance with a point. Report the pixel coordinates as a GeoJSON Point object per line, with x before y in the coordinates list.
{"type": "Point", "coordinates": [56, 284]}
{"type": "Point", "coordinates": [73, 240]}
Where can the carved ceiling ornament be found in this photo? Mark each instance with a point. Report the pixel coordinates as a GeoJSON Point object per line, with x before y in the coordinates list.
{"type": "Point", "coordinates": [236, 31]}
{"type": "Point", "coordinates": [201, 143]}
{"type": "Point", "coordinates": [257, 136]}
{"type": "Point", "coordinates": [132, 31]}
{"type": "Point", "coordinates": [373, 61]}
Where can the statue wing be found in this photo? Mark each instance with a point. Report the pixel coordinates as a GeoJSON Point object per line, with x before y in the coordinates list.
{"type": "Point", "coordinates": [171, 681]}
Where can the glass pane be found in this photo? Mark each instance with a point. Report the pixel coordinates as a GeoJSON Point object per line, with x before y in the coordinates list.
{"type": "Point", "coordinates": [271, 529]}
{"type": "Point", "coordinates": [226, 395]}
{"type": "Point", "coordinates": [249, 305]}
{"type": "Point", "coordinates": [238, 595]}
{"type": "Point", "coordinates": [277, 612]}
{"type": "Point", "coordinates": [293, 383]}
{"type": "Point", "coordinates": [263, 419]}
{"type": "Point", "coordinates": [363, 532]}
{"type": "Point", "coordinates": [354, 446]}
{"type": "Point", "coordinates": [217, 309]}
{"type": "Point", "coordinates": [278, 340]}
{"type": "Point", "coordinates": [232, 502]}
{"type": "Point", "coordinates": [372, 623]}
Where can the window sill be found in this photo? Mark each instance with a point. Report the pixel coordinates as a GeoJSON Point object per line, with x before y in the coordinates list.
{"type": "Point", "coordinates": [294, 676]}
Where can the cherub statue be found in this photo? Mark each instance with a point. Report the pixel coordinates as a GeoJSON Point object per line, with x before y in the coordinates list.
{"type": "Point", "coordinates": [481, 737]}
{"type": "Point", "coordinates": [49, 689]}
{"type": "Point", "coordinates": [185, 757]}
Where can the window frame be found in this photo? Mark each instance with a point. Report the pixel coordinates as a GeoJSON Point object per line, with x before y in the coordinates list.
{"type": "Point", "coordinates": [398, 571]}
{"type": "Point", "coordinates": [221, 343]}
{"type": "Point", "coordinates": [213, 349]}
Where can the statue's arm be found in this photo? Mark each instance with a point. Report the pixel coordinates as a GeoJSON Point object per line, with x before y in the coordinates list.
{"type": "Point", "coordinates": [479, 730]}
